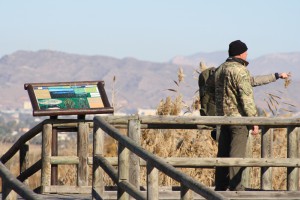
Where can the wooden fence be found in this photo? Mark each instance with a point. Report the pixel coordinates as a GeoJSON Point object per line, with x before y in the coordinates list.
{"type": "Point", "coordinates": [128, 175]}
{"type": "Point", "coordinates": [9, 182]}
{"type": "Point", "coordinates": [131, 156]}
{"type": "Point", "coordinates": [49, 161]}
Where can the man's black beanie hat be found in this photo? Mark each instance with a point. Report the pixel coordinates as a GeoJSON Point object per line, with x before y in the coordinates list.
{"type": "Point", "coordinates": [236, 48]}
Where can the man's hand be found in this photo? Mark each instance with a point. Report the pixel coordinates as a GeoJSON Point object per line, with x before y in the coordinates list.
{"type": "Point", "coordinates": [255, 130]}
{"type": "Point", "coordinates": [284, 75]}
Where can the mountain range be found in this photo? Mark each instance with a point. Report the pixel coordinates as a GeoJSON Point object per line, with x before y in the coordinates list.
{"type": "Point", "coordinates": [135, 83]}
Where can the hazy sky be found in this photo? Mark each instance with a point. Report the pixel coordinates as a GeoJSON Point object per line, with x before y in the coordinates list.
{"type": "Point", "coordinates": [154, 30]}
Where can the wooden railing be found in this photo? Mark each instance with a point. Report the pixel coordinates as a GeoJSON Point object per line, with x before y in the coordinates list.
{"type": "Point", "coordinates": [49, 161]}
{"type": "Point", "coordinates": [9, 182]}
{"type": "Point", "coordinates": [131, 156]}
{"type": "Point", "coordinates": [128, 180]}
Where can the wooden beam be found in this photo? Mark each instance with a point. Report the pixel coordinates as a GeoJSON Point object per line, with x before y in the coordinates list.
{"type": "Point", "coordinates": [134, 132]}
{"type": "Point", "coordinates": [22, 140]}
{"type": "Point", "coordinates": [207, 120]}
{"type": "Point", "coordinates": [64, 160]}
{"type": "Point", "coordinates": [98, 147]}
{"type": "Point", "coordinates": [186, 193]}
{"type": "Point", "coordinates": [30, 171]}
{"type": "Point", "coordinates": [246, 176]}
{"type": "Point", "coordinates": [9, 182]}
{"type": "Point", "coordinates": [24, 159]}
{"type": "Point", "coordinates": [293, 153]}
{"type": "Point", "coordinates": [187, 162]}
{"type": "Point", "coordinates": [67, 189]}
{"type": "Point", "coordinates": [54, 152]}
{"type": "Point", "coordinates": [46, 154]}
{"type": "Point", "coordinates": [152, 182]}
{"type": "Point", "coordinates": [266, 152]}
{"type": "Point", "coordinates": [123, 171]}
{"type": "Point", "coordinates": [82, 152]}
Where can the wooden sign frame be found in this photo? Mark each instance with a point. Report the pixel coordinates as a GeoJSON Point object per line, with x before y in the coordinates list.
{"type": "Point", "coordinates": [68, 98]}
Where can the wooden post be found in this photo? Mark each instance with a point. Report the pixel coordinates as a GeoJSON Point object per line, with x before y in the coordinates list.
{"type": "Point", "coordinates": [46, 155]}
{"type": "Point", "coordinates": [246, 177]}
{"type": "Point", "coordinates": [134, 132]}
{"type": "Point", "coordinates": [24, 159]}
{"type": "Point", "coordinates": [152, 182]}
{"type": "Point", "coordinates": [292, 152]}
{"type": "Point", "coordinates": [123, 172]}
{"type": "Point", "coordinates": [185, 193]}
{"type": "Point", "coordinates": [82, 152]}
{"type": "Point", "coordinates": [54, 168]}
{"type": "Point", "coordinates": [266, 152]}
{"type": "Point", "coordinates": [98, 146]}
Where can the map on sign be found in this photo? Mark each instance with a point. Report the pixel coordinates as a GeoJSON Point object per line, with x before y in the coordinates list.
{"type": "Point", "coordinates": [68, 97]}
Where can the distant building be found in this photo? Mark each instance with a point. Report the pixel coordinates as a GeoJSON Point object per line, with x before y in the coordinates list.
{"type": "Point", "coordinates": [151, 112]}
{"type": "Point", "coordinates": [120, 114]}
{"type": "Point", "coordinates": [27, 105]}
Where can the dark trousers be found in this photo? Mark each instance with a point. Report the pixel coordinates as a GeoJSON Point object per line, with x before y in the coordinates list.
{"type": "Point", "coordinates": [232, 143]}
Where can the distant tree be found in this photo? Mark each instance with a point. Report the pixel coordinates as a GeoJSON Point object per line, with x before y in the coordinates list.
{"type": "Point", "coordinates": [2, 120]}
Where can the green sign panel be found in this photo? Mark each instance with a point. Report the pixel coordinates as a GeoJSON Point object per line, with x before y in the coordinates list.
{"type": "Point", "coordinates": [68, 98]}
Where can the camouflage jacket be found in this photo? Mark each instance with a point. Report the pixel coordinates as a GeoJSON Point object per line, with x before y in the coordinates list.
{"type": "Point", "coordinates": [233, 89]}
{"type": "Point", "coordinates": [262, 79]}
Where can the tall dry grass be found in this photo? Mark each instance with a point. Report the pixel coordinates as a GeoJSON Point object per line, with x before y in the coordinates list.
{"type": "Point", "coordinates": [181, 143]}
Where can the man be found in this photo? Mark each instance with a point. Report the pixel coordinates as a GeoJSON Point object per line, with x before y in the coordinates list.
{"type": "Point", "coordinates": [234, 97]}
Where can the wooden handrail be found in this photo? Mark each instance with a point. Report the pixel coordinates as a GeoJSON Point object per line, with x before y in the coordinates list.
{"type": "Point", "coordinates": [30, 171]}
{"type": "Point", "coordinates": [196, 162]}
{"type": "Point", "coordinates": [199, 122]}
{"type": "Point", "coordinates": [10, 182]}
{"type": "Point", "coordinates": [157, 162]}
{"type": "Point", "coordinates": [21, 141]}
{"type": "Point", "coordinates": [112, 172]}
{"type": "Point", "coordinates": [167, 165]}
{"type": "Point", "coordinates": [206, 120]}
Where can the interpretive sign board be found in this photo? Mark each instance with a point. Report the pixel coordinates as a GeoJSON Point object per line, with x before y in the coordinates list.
{"type": "Point", "coordinates": [68, 98]}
